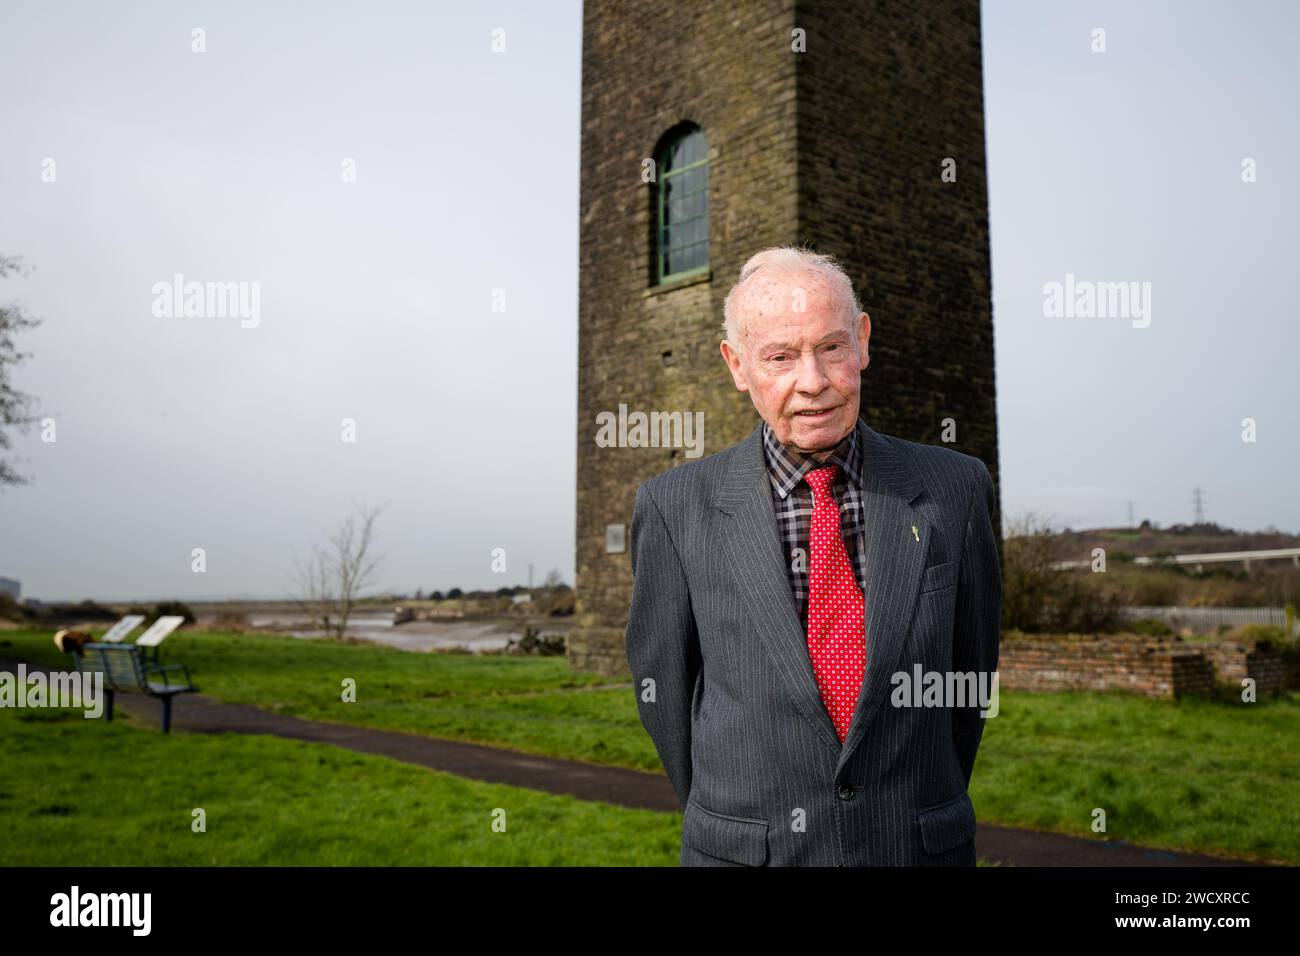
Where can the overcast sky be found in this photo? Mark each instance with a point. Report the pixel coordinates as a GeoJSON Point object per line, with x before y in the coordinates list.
{"type": "Point", "coordinates": [376, 295]}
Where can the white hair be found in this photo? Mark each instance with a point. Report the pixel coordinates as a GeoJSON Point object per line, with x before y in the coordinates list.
{"type": "Point", "coordinates": [789, 259]}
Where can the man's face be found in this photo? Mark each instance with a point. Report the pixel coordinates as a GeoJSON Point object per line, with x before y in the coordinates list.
{"type": "Point", "coordinates": [799, 353]}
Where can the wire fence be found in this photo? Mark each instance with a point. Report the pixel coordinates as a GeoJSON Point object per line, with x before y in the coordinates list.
{"type": "Point", "coordinates": [1207, 620]}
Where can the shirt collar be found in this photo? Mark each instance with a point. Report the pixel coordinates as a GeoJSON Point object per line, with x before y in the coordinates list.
{"type": "Point", "coordinates": [787, 468]}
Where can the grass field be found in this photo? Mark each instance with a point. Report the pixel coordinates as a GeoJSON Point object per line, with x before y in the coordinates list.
{"type": "Point", "coordinates": [77, 792]}
{"type": "Point", "coordinates": [1212, 776]}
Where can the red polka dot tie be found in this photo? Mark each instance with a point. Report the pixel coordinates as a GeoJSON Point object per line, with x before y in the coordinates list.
{"type": "Point", "coordinates": [836, 643]}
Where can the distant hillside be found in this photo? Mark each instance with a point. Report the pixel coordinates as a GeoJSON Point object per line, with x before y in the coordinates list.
{"type": "Point", "coordinates": [1145, 541]}
{"type": "Point", "coordinates": [1271, 583]}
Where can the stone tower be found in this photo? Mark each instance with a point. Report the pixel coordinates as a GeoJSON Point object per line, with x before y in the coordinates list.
{"type": "Point", "coordinates": [713, 129]}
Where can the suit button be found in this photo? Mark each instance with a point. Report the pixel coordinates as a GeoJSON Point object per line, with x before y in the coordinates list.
{"type": "Point", "coordinates": [845, 792]}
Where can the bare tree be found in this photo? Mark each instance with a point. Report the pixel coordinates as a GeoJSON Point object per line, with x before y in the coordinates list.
{"type": "Point", "coordinates": [333, 579]}
{"type": "Point", "coordinates": [15, 406]}
{"type": "Point", "coordinates": [315, 596]}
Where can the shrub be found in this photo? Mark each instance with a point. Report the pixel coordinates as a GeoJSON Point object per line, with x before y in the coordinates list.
{"type": "Point", "coordinates": [1259, 634]}
{"type": "Point", "coordinates": [559, 603]}
{"type": "Point", "coordinates": [229, 619]}
{"type": "Point", "coordinates": [162, 609]}
{"type": "Point", "coordinates": [87, 610]}
{"type": "Point", "coordinates": [534, 644]}
{"type": "Point", "coordinates": [169, 608]}
{"type": "Point", "coordinates": [1037, 598]}
{"type": "Point", "coordinates": [1151, 627]}
{"type": "Point", "coordinates": [11, 610]}
{"type": "Point", "coordinates": [1152, 588]}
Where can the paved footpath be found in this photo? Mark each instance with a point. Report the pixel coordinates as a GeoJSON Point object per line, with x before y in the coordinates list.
{"type": "Point", "coordinates": [197, 713]}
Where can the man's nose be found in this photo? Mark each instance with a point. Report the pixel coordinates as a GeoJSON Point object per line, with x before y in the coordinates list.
{"type": "Point", "coordinates": [810, 377]}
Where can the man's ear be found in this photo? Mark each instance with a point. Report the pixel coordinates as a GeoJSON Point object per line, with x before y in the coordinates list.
{"type": "Point", "coordinates": [864, 336]}
{"type": "Point", "coordinates": [732, 358]}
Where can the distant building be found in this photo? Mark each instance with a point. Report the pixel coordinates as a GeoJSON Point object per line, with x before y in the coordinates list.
{"type": "Point", "coordinates": [11, 587]}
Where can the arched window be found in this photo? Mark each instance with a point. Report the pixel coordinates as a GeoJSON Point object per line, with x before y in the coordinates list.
{"type": "Point", "coordinates": [682, 232]}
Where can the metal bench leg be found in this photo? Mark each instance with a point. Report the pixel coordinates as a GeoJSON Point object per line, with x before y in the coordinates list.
{"type": "Point", "coordinates": [166, 715]}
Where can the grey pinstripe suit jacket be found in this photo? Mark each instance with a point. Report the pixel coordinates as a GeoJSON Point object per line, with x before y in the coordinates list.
{"type": "Point", "coordinates": [736, 714]}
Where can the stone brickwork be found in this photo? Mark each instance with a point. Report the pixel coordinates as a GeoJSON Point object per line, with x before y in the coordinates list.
{"type": "Point", "coordinates": [1150, 666]}
{"type": "Point", "coordinates": [840, 148]}
{"type": "Point", "coordinates": [1259, 660]}
{"type": "Point", "coordinates": [1154, 667]}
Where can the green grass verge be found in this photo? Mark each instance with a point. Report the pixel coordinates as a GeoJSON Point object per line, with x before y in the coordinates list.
{"type": "Point", "coordinates": [533, 704]}
{"type": "Point", "coordinates": [1197, 775]}
{"type": "Point", "coordinates": [78, 792]}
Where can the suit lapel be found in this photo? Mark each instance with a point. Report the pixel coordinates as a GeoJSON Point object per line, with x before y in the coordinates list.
{"type": "Point", "coordinates": [758, 563]}
{"type": "Point", "coordinates": [894, 562]}
{"type": "Point", "coordinates": [895, 559]}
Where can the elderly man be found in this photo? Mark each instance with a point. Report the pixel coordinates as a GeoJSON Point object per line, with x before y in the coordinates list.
{"type": "Point", "coordinates": [789, 587]}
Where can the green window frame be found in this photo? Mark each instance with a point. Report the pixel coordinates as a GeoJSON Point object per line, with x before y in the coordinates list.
{"type": "Point", "coordinates": [682, 207]}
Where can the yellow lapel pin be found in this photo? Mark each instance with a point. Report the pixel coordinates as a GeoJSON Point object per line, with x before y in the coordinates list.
{"type": "Point", "coordinates": [916, 534]}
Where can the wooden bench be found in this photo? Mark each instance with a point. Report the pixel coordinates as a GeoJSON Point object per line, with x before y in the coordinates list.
{"type": "Point", "coordinates": [126, 670]}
